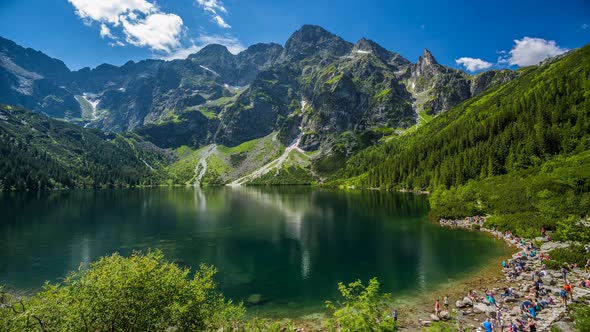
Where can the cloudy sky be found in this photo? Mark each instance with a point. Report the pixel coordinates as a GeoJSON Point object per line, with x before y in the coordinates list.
{"type": "Point", "coordinates": [472, 35]}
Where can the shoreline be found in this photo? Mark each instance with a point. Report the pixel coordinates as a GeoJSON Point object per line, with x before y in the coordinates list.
{"type": "Point", "coordinates": [473, 315]}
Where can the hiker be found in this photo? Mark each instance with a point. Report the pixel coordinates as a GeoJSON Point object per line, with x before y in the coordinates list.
{"type": "Point", "coordinates": [587, 266]}
{"type": "Point", "coordinates": [563, 272]}
{"type": "Point", "coordinates": [395, 315]}
{"type": "Point", "coordinates": [569, 289]}
{"type": "Point", "coordinates": [446, 303]}
{"type": "Point", "coordinates": [585, 283]}
{"type": "Point", "coordinates": [543, 232]}
{"type": "Point", "coordinates": [563, 295]}
{"type": "Point", "coordinates": [487, 325]}
{"type": "Point", "coordinates": [436, 307]}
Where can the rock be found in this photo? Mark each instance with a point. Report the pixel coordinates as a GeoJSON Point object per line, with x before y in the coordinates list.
{"type": "Point", "coordinates": [444, 315]}
{"type": "Point", "coordinates": [510, 299]}
{"type": "Point", "coordinates": [562, 326]}
{"type": "Point", "coordinates": [547, 280]}
{"type": "Point", "coordinates": [467, 301]}
{"type": "Point", "coordinates": [548, 246]}
{"type": "Point", "coordinates": [481, 308]}
{"type": "Point", "coordinates": [515, 311]}
{"type": "Point", "coordinates": [460, 304]}
{"type": "Point", "coordinates": [541, 239]}
{"type": "Point", "coordinates": [434, 318]}
{"type": "Point", "coordinates": [425, 322]}
{"type": "Point", "coordinates": [254, 299]}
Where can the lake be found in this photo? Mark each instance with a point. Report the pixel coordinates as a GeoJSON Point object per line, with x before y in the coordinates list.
{"type": "Point", "coordinates": [292, 245]}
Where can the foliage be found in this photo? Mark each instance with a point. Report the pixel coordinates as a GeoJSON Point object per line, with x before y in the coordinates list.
{"type": "Point", "coordinates": [574, 254]}
{"type": "Point", "coordinates": [39, 153]}
{"type": "Point", "coordinates": [138, 293]}
{"type": "Point", "coordinates": [361, 310]}
{"type": "Point", "coordinates": [581, 314]}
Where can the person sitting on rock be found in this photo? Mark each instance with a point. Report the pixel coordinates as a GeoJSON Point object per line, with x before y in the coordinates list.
{"type": "Point", "coordinates": [550, 300]}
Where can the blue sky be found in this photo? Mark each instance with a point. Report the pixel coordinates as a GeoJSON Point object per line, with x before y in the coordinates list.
{"type": "Point", "coordinates": [472, 35]}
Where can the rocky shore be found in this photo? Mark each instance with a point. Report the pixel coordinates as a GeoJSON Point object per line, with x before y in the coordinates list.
{"type": "Point", "coordinates": [471, 311]}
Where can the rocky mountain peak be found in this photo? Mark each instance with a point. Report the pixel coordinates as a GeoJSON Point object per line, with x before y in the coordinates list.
{"type": "Point", "coordinates": [312, 40]}
{"type": "Point", "coordinates": [427, 58]}
{"type": "Point", "coordinates": [212, 50]}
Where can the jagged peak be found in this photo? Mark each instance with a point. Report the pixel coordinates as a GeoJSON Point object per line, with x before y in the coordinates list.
{"type": "Point", "coordinates": [313, 39]}
{"type": "Point", "coordinates": [427, 58]}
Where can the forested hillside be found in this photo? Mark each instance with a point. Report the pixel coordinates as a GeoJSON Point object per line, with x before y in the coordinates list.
{"type": "Point", "coordinates": [37, 152]}
{"type": "Point", "coordinates": [543, 113]}
{"type": "Point", "coordinates": [518, 152]}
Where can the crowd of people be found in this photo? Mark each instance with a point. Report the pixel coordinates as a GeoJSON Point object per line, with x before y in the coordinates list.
{"type": "Point", "coordinates": [533, 297]}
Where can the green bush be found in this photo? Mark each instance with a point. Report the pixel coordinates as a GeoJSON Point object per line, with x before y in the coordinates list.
{"type": "Point", "coordinates": [138, 293]}
{"type": "Point", "coordinates": [363, 309]}
{"type": "Point", "coordinates": [581, 317]}
{"type": "Point", "coordinates": [573, 254]}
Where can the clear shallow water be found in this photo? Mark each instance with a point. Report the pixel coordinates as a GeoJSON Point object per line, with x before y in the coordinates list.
{"type": "Point", "coordinates": [289, 244]}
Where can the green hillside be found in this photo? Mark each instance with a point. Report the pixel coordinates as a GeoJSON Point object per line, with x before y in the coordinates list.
{"type": "Point", "coordinates": [524, 144]}
{"type": "Point", "coordinates": [37, 152]}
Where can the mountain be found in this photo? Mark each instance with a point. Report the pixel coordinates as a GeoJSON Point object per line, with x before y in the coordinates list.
{"type": "Point", "coordinates": [517, 126]}
{"type": "Point", "coordinates": [37, 152]}
{"type": "Point", "coordinates": [332, 97]}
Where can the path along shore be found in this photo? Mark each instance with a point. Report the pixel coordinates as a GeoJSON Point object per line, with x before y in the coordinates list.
{"type": "Point", "coordinates": [471, 311]}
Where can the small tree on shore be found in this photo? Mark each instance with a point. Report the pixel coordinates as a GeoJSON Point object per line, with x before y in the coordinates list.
{"type": "Point", "coordinates": [363, 309]}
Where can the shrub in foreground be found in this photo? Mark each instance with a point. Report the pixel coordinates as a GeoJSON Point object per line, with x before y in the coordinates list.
{"type": "Point", "coordinates": [363, 309]}
{"type": "Point", "coordinates": [138, 293]}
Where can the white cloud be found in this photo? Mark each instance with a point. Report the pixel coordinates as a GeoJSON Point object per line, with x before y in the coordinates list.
{"type": "Point", "coordinates": [473, 64]}
{"type": "Point", "coordinates": [140, 22]}
{"type": "Point", "coordinates": [214, 7]}
{"type": "Point", "coordinates": [221, 22]}
{"type": "Point", "coordinates": [530, 51]}
{"type": "Point", "coordinates": [106, 32]}
{"type": "Point", "coordinates": [585, 26]}
{"type": "Point", "coordinates": [158, 31]}
{"type": "Point", "coordinates": [110, 10]}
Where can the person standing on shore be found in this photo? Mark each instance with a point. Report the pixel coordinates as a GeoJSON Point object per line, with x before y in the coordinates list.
{"type": "Point", "coordinates": [446, 302]}
{"type": "Point", "coordinates": [436, 307]}
{"type": "Point", "coordinates": [563, 295]}
{"type": "Point", "coordinates": [563, 273]}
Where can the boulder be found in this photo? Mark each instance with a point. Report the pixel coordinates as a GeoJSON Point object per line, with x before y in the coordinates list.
{"type": "Point", "coordinates": [460, 304]}
{"type": "Point", "coordinates": [547, 280]}
{"type": "Point", "coordinates": [562, 327]}
{"type": "Point", "coordinates": [510, 299]}
{"type": "Point", "coordinates": [444, 315]}
{"type": "Point", "coordinates": [479, 308]}
{"type": "Point", "coordinates": [515, 311]}
{"type": "Point", "coordinates": [434, 318]}
{"type": "Point", "coordinates": [425, 322]}
{"type": "Point", "coordinates": [467, 301]}
{"type": "Point", "coordinates": [254, 299]}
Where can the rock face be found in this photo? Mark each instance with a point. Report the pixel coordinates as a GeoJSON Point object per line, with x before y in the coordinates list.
{"type": "Point", "coordinates": [343, 96]}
